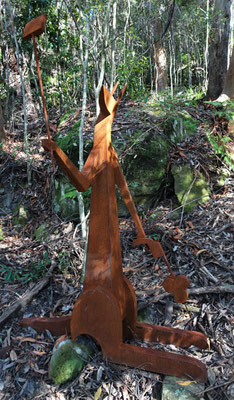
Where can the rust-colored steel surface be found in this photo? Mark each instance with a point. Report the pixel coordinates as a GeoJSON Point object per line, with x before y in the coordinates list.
{"type": "Point", "coordinates": [32, 29]}
{"type": "Point", "coordinates": [35, 27]}
{"type": "Point", "coordinates": [107, 308]}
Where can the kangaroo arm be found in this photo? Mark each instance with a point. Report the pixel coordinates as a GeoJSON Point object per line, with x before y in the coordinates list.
{"type": "Point", "coordinates": [126, 195]}
{"type": "Point", "coordinates": [154, 245]}
{"type": "Point", "coordinates": [80, 180]}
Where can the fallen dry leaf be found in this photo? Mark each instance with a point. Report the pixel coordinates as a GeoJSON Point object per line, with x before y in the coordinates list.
{"type": "Point", "coordinates": [13, 355]}
{"type": "Point", "coordinates": [201, 251]}
{"type": "Point", "coordinates": [177, 237]}
{"type": "Point", "coordinates": [190, 224]}
{"type": "Point", "coordinates": [185, 383]}
{"type": "Point", "coordinates": [178, 230]}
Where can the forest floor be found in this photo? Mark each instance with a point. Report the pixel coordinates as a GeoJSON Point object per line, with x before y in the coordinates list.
{"type": "Point", "coordinates": [199, 245]}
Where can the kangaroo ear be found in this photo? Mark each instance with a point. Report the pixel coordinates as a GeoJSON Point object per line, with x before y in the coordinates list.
{"type": "Point", "coordinates": [106, 101]}
{"type": "Point", "coordinates": [119, 98]}
{"type": "Point", "coordinates": [102, 101]}
{"type": "Point", "coordinates": [122, 92]}
{"type": "Point", "coordinates": [114, 88]}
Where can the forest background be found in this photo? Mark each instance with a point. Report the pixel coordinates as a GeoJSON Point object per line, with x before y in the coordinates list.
{"type": "Point", "coordinates": [152, 46]}
{"type": "Point", "coordinates": [177, 59]}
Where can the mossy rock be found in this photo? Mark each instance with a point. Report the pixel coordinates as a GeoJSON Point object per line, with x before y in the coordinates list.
{"type": "Point", "coordinates": [41, 233]}
{"type": "Point", "coordinates": [68, 141]}
{"type": "Point", "coordinates": [22, 216]}
{"type": "Point", "coordinates": [68, 359]}
{"type": "Point", "coordinates": [189, 191]}
{"type": "Point", "coordinates": [224, 175]}
{"type": "Point", "coordinates": [145, 316]}
{"type": "Point", "coordinates": [178, 127]}
{"type": "Point", "coordinates": [65, 200]}
{"type": "Point", "coordinates": [181, 389]}
{"type": "Point", "coordinates": [145, 170]}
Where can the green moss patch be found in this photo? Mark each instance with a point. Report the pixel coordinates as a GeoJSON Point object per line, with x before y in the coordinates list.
{"type": "Point", "coordinates": [68, 359]}
{"type": "Point", "coordinates": [190, 190]}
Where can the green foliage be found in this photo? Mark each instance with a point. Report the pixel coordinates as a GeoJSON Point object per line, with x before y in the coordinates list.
{"type": "Point", "coordinates": [173, 114]}
{"type": "Point", "coordinates": [3, 91]}
{"type": "Point", "coordinates": [33, 273]}
{"type": "Point", "coordinates": [132, 71]}
{"type": "Point", "coordinates": [9, 273]}
{"type": "Point", "coordinates": [63, 261]}
{"type": "Point", "coordinates": [224, 109]}
{"type": "Point", "coordinates": [71, 193]}
{"type": "Point", "coordinates": [69, 143]}
{"type": "Point", "coordinates": [1, 233]}
{"type": "Point", "coordinates": [155, 236]}
{"type": "Point", "coordinates": [65, 117]}
{"type": "Point", "coordinates": [218, 145]}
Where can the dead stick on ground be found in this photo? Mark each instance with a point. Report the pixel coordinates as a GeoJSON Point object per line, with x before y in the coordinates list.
{"type": "Point", "coordinates": [192, 291]}
{"type": "Point", "coordinates": [27, 297]}
{"type": "Point", "coordinates": [212, 289]}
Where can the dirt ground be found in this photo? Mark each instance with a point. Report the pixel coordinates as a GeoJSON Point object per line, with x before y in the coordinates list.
{"type": "Point", "coordinates": [199, 245]}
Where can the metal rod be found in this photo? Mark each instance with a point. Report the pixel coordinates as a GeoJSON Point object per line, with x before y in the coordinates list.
{"type": "Point", "coordinates": [43, 98]}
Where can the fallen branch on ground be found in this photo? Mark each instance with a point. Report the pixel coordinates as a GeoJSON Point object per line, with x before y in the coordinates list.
{"type": "Point", "coordinates": [192, 291]}
{"type": "Point", "coordinates": [27, 297]}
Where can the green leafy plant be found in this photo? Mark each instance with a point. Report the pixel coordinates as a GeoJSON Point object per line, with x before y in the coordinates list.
{"type": "Point", "coordinates": [69, 142]}
{"type": "Point", "coordinates": [10, 274]}
{"type": "Point", "coordinates": [155, 236]}
{"type": "Point", "coordinates": [25, 275]}
{"type": "Point", "coordinates": [224, 109]}
{"type": "Point", "coordinates": [173, 113]}
{"type": "Point", "coordinates": [63, 261]}
{"type": "Point", "coordinates": [131, 71]}
{"type": "Point", "coordinates": [218, 145]}
{"type": "Point", "coordinates": [71, 193]}
{"type": "Point", "coordinates": [1, 233]}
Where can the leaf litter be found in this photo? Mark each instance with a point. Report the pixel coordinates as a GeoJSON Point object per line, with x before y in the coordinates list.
{"type": "Point", "coordinates": [200, 245]}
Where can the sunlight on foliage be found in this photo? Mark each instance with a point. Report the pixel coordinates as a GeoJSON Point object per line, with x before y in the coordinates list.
{"type": "Point", "coordinates": [218, 142]}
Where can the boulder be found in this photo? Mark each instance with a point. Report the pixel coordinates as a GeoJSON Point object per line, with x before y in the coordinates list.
{"type": "Point", "coordinates": [144, 168]}
{"type": "Point", "coordinates": [42, 232]}
{"type": "Point", "coordinates": [181, 389]}
{"type": "Point", "coordinates": [65, 200]}
{"type": "Point", "coordinates": [21, 218]}
{"type": "Point", "coordinates": [68, 359]}
{"type": "Point", "coordinates": [189, 190]}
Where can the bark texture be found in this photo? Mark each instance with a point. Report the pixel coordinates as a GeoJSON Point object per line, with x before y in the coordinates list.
{"type": "Point", "coordinates": [229, 80]}
{"type": "Point", "coordinates": [218, 50]}
{"type": "Point", "coordinates": [160, 60]}
{"type": "Point", "coordinates": [2, 130]}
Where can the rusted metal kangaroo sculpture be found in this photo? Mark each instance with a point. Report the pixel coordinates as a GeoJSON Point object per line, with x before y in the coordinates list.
{"type": "Point", "coordinates": [107, 308]}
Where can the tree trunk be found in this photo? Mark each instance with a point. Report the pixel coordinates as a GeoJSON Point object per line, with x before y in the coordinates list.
{"type": "Point", "coordinates": [228, 89]}
{"type": "Point", "coordinates": [218, 50]}
{"type": "Point", "coordinates": [22, 90]}
{"type": "Point", "coordinates": [81, 143]}
{"type": "Point", "coordinates": [206, 55]}
{"type": "Point", "coordinates": [112, 75]}
{"type": "Point", "coordinates": [2, 130]}
{"type": "Point", "coordinates": [160, 60]}
{"type": "Point", "coordinates": [160, 71]}
{"type": "Point", "coordinates": [100, 70]}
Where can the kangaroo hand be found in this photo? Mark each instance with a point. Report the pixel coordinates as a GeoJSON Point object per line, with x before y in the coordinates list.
{"type": "Point", "coordinates": [153, 245]}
